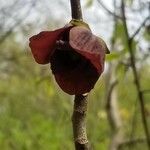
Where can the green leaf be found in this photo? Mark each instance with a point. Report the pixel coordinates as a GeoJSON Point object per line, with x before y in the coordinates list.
{"type": "Point", "coordinates": [115, 55]}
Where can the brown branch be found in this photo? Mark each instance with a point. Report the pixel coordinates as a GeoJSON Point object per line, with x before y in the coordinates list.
{"type": "Point", "coordinates": [80, 102]}
{"type": "Point", "coordinates": [135, 74]}
{"type": "Point", "coordinates": [79, 123]}
{"type": "Point", "coordinates": [76, 9]}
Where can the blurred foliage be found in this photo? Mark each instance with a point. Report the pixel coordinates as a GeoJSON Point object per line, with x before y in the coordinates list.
{"type": "Point", "coordinates": [36, 115]}
{"type": "Point", "coordinates": [146, 33]}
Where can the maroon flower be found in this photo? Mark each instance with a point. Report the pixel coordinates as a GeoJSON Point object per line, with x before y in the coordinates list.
{"type": "Point", "coordinates": [75, 54]}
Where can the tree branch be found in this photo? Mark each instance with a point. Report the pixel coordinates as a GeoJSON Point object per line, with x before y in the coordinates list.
{"type": "Point", "coordinates": [139, 28]}
{"type": "Point", "coordinates": [76, 9]}
{"type": "Point", "coordinates": [79, 123]}
{"type": "Point", "coordinates": [17, 23]}
{"type": "Point", "coordinates": [135, 74]}
{"type": "Point", "coordinates": [80, 102]}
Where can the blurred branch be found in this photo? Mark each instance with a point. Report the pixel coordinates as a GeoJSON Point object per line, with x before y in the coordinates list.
{"type": "Point", "coordinates": [114, 117]}
{"type": "Point", "coordinates": [112, 109]}
{"type": "Point", "coordinates": [81, 101]}
{"type": "Point", "coordinates": [136, 78]}
{"type": "Point", "coordinates": [107, 10]}
{"type": "Point", "coordinates": [17, 23]}
{"type": "Point", "coordinates": [139, 28]}
{"type": "Point", "coordinates": [146, 91]}
{"type": "Point", "coordinates": [112, 86]}
{"type": "Point", "coordinates": [131, 142]}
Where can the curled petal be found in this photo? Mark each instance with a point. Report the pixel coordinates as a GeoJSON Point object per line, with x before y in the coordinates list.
{"type": "Point", "coordinates": [73, 72]}
{"type": "Point", "coordinates": [90, 46]}
{"type": "Point", "coordinates": [77, 79]}
{"type": "Point", "coordinates": [42, 45]}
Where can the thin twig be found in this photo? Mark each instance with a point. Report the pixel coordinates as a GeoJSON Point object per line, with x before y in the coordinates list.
{"type": "Point", "coordinates": [136, 78]}
{"type": "Point", "coordinates": [16, 24]}
{"type": "Point", "coordinates": [108, 11]}
{"type": "Point", "coordinates": [139, 28]}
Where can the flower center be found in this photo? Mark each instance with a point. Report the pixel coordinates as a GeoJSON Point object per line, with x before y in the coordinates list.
{"type": "Point", "coordinates": [65, 60]}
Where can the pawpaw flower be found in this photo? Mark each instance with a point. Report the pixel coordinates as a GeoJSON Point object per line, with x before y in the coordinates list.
{"type": "Point", "coordinates": [75, 54]}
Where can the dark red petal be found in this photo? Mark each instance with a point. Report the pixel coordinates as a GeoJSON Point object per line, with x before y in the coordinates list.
{"type": "Point", "coordinates": [84, 42]}
{"type": "Point", "coordinates": [73, 72]}
{"type": "Point", "coordinates": [42, 45]}
{"type": "Point", "coordinates": [78, 81]}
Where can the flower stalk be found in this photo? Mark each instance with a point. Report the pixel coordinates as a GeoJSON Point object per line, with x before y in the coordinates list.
{"type": "Point", "coordinates": [80, 101]}
{"type": "Point", "coordinates": [76, 10]}
{"type": "Point", "coordinates": [79, 122]}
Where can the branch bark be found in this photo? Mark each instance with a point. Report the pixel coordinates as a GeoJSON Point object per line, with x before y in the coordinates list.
{"type": "Point", "coordinates": [81, 101]}
{"type": "Point", "coordinates": [79, 122]}
{"type": "Point", "coordinates": [76, 9]}
{"type": "Point", "coordinates": [135, 74]}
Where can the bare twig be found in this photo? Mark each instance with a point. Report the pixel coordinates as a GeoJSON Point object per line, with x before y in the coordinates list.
{"type": "Point", "coordinates": [139, 28]}
{"type": "Point", "coordinates": [80, 102]}
{"type": "Point", "coordinates": [16, 24]}
{"type": "Point", "coordinates": [108, 11]}
{"type": "Point", "coordinates": [136, 78]}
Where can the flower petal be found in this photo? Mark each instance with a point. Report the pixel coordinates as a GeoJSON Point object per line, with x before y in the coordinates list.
{"type": "Point", "coordinates": [90, 46]}
{"type": "Point", "coordinates": [42, 45]}
{"type": "Point", "coordinates": [78, 81]}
